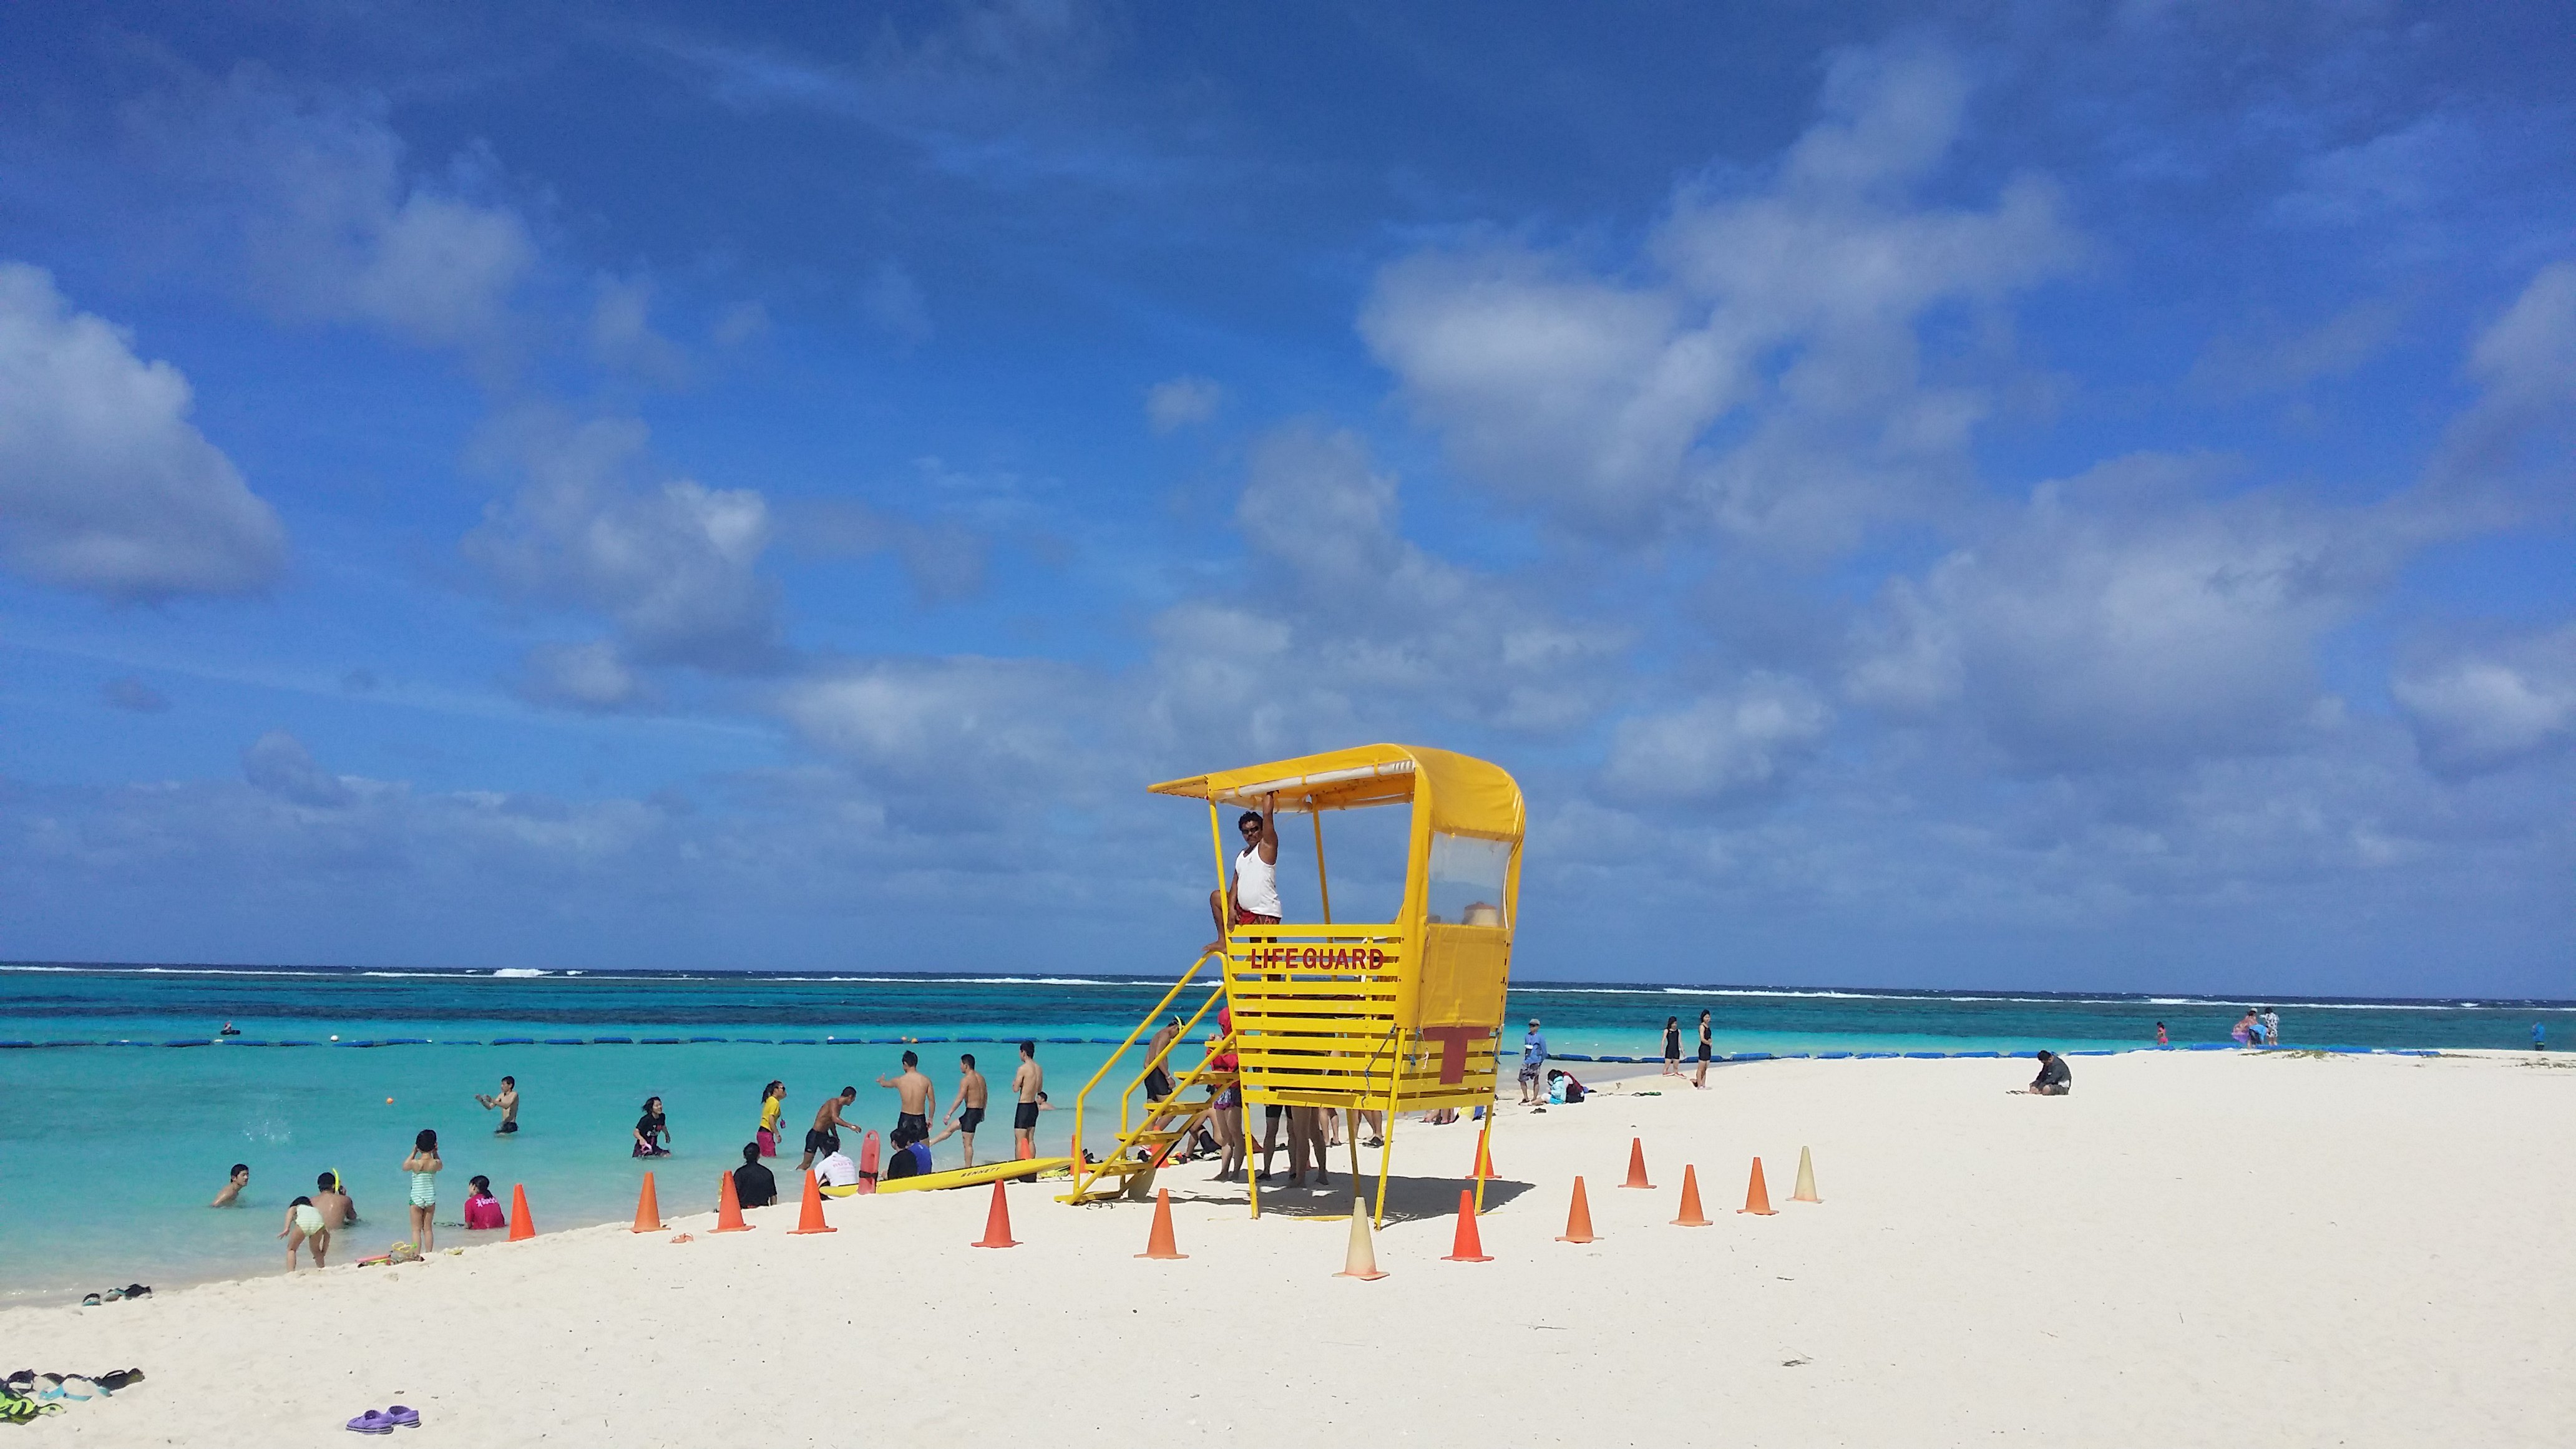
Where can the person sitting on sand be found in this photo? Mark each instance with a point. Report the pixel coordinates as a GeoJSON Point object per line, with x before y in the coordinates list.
{"type": "Point", "coordinates": [967, 1112]}
{"type": "Point", "coordinates": [917, 1099]}
{"type": "Point", "coordinates": [753, 1185]}
{"type": "Point", "coordinates": [2053, 1080]}
{"type": "Point", "coordinates": [835, 1170]}
{"type": "Point", "coordinates": [423, 1165]}
{"type": "Point", "coordinates": [230, 1195]}
{"type": "Point", "coordinates": [339, 1210]}
{"type": "Point", "coordinates": [305, 1227]}
{"type": "Point", "coordinates": [1562, 1088]}
{"type": "Point", "coordinates": [506, 1101]}
{"type": "Point", "coordinates": [652, 1131]}
{"type": "Point", "coordinates": [482, 1209]}
{"type": "Point", "coordinates": [825, 1134]}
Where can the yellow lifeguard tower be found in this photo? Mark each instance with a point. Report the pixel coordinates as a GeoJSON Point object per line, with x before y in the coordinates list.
{"type": "Point", "coordinates": [1390, 1016]}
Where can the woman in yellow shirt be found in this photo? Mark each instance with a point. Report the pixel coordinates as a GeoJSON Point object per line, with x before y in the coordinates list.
{"type": "Point", "coordinates": [773, 1103]}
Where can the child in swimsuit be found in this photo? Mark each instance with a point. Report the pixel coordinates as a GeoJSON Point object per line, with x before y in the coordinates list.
{"type": "Point", "coordinates": [423, 1165]}
{"type": "Point", "coordinates": [304, 1225]}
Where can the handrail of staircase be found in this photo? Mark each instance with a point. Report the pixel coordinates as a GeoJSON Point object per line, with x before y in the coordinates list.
{"type": "Point", "coordinates": [1139, 1028]}
{"type": "Point", "coordinates": [1182, 1083]}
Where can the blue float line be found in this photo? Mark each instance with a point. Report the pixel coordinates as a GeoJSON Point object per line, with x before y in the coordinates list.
{"type": "Point", "coordinates": [565, 1041]}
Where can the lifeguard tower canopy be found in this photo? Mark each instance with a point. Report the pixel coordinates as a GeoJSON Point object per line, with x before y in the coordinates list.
{"type": "Point", "coordinates": [1387, 1015]}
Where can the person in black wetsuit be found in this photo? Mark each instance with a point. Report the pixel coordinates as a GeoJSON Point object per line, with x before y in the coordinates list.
{"type": "Point", "coordinates": [1672, 1046]}
{"type": "Point", "coordinates": [2053, 1080]}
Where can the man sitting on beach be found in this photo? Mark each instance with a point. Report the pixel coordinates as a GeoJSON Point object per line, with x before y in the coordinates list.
{"type": "Point", "coordinates": [825, 1134]}
{"type": "Point", "coordinates": [919, 1100]}
{"type": "Point", "coordinates": [232, 1191]}
{"type": "Point", "coordinates": [753, 1184]}
{"type": "Point", "coordinates": [967, 1113]}
{"type": "Point", "coordinates": [507, 1101]}
{"type": "Point", "coordinates": [2053, 1078]}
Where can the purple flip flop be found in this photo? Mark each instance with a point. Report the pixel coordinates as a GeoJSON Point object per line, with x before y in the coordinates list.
{"type": "Point", "coordinates": [371, 1422]}
{"type": "Point", "coordinates": [402, 1418]}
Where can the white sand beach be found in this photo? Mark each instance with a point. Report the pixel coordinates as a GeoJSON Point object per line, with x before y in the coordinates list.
{"type": "Point", "coordinates": [2194, 1248]}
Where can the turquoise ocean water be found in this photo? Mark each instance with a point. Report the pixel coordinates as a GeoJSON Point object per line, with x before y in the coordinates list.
{"type": "Point", "coordinates": [114, 1133]}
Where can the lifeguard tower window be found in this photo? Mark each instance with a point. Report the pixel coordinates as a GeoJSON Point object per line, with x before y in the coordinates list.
{"type": "Point", "coordinates": [1467, 875]}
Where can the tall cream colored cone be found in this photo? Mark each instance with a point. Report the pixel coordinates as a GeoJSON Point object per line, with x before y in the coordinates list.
{"type": "Point", "coordinates": [1360, 1261]}
{"type": "Point", "coordinates": [1806, 1179]}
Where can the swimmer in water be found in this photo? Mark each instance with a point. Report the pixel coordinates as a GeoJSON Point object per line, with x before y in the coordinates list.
{"type": "Point", "coordinates": [231, 1195]}
{"type": "Point", "coordinates": [506, 1101]}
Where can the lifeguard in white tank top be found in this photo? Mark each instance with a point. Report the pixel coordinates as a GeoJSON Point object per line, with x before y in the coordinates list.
{"type": "Point", "coordinates": [1256, 873]}
{"type": "Point", "coordinates": [1256, 883]}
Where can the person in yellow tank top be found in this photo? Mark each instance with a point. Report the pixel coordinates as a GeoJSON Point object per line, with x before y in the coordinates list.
{"type": "Point", "coordinates": [773, 1104]}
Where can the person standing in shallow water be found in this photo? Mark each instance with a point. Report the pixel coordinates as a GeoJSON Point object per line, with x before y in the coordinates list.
{"type": "Point", "coordinates": [652, 1131]}
{"type": "Point", "coordinates": [423, 1165]}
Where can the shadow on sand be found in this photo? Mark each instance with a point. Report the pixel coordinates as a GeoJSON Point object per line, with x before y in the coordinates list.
{"type": "Point", "coordinates": [1408, 1199]}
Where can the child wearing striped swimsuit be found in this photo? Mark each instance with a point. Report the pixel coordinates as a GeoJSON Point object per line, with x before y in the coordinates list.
{"type": "Point", "coordinates": [423, 1165]}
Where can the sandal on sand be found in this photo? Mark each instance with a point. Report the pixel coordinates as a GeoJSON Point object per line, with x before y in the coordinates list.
{"type": "Point", "coordinates": [78, 1388]}
{"type": "Point", "coordinates": [371, 1422]}
{"type": "Point", "coordinates": [402, 1418]}
{"type": "Point", "coordinates": [138, 1290]}
{"type": "Point", "coordinates": [89, 1300]}
{"type": "Point", "coordinates": [19, 1409]}
{"type": "Point", "coordinates": [120, 1379]}
{"type": "Point", "coordinates": [112, 1295]}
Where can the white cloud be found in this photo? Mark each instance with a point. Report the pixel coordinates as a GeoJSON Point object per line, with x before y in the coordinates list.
{"type": "Point", "coordinates": [1181, 402]}
{"type": "Point", "coordinates": [278, 764]}
{"type": "Point", "coordinates": [1369, 631]}
{"type": "Point", "coordinates": [2525, 366]}
{"type": "Point", "coordinates": [1741, 742]}
{"type": "Point", "coordinates": [335, 226]}
{"type": "Point", "coordinates": [672, 563]}
{"type": "Point", "coordinates": [952, 740]}
{"type": "Point", "coordinates": [2488, 710]}
{"type": "Point", "coordinates": [590, 676]}
{"type": "Point", "coordinates": [894, 301]}
{"type": "Point", "coordinates": [622, 337]}
{"type": "Point", "coordinates": [1791, 314]}
{"type": "Point", "coordinates": [105, 486]}
{"type": "Point", "coordinates": [2122, 619]}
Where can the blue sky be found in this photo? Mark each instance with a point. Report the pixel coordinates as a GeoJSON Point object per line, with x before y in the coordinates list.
{"type": "Point", "coordinates": [2048, 496]}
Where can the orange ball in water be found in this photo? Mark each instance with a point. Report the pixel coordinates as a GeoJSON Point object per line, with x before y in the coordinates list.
{"type": "Point", "coordinates": [389, 1101]}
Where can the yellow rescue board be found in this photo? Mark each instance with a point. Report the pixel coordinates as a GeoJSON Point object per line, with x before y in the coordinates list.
{"type": "Point", "coordinates": [982, 1172]}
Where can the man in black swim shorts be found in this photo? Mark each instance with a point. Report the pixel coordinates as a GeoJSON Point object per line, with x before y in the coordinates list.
{"type": "Point", "coordinates": [1028, 1084]}
{"type": "Point", "coordinates": [919, 1100]}
{"type": "Point", "coordinates": [824, 1137]}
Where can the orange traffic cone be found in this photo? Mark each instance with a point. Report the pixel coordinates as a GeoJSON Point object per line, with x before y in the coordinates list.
{"type": "Point", "coordinates": [1806, 1179]}
{"type": "Point", "coordinates": [1158, 1243]}
{"type": "Point", "coordinates": [809, 1219]}
{"type": "Point", "coordinates": [1578, 1218]}
{"type": "Point", "coordinates": [729, 1207]}
{"type": "Point", "coordinates": [1485, 1156]}
{"type": "Point", "coordinates": [1467, 1248]}
{"type": "Point", "coordinates": [522, 1227]}
{"type": "Point", "coordinates": [1360, 1259]}
{"type": "Point", "coordinates": [1757, 1197]}
{"type": "Point", "coordinates": [1691, 1216]}
{"type": "Point", "coordinates": [1637, 1164]}
{"type": "Point", "coordinates": [997, 1223]}
{"type": "Point", "coordinates": [648, 1210]}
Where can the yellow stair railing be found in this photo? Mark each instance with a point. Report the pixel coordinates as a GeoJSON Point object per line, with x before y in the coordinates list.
{"type": "Point", "coordinates": [1146, 1135]}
